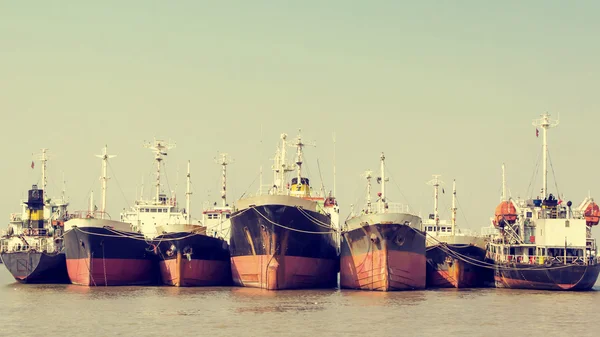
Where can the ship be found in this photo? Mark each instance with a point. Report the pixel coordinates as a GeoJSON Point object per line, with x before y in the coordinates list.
{"type": "Point", "coordinates": [286, 237]}
{"type": "Point", "coordinates": [32, 248]}
{"type": "Point", "coordinates": [187, 255]}
{"type": "Point", "coordinates": [104, 252]}
{"type": "Point", "coordinates": [455, 256]}
{"type": "Point", "coordinates": [216, 218]}
{"type": "Point", "coordinates": [382, 248]}
{"type": "Point", "coordinates": [544, 242]}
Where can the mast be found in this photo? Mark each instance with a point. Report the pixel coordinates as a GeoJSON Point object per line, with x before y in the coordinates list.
{"type": "Point", "coordinates": [276, 168]}
{"type": "Point", "coordinates": [104, 156]}
{"type": "Point", "coordinates": [284, 167]}
{"type": "Point", "coordinates": [382, 179]}
{"type": "Point", "coordinates": [223, 161]}
{"type": "Point", "coordinates": [545, 123]}
{"type": "Point", "coordinates": [299, 155]}
{"type": "Point", "coordinates": [188, 194]}
{"type": "Point", "coordinates": [453, 205]}
{"type": "Point", "coordinates": [282, 160]}
{"type": "Point", "coordinates": [435, 182]}
{"type": "Point", "coordinates": [44, 159]}
{"type": "Point", "coordinates": [160, 149]}
{"type": "Point", "coordinates": [92, 202]}
{"type": "Point", "coordinates": [142, 189]}
{"type": "Point", "coordinates": [368, 174]}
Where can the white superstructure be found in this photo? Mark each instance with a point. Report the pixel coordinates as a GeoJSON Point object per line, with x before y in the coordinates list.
{"type": "Point", "coordinates": [161, 214]}
{"type": "Point", "coordinates": [545, 229]}
{"type": "Point", "coordinates": [439, 230]}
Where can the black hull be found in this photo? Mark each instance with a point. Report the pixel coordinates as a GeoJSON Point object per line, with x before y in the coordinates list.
{"type": "Point", "coordinates": [383, 257]}
{"type": "Point", "coordinates": [555, 277]}
{"type": "Point", "coordinates": [36, 267]}
{"type": "Point", "coordinates": [294, 243]}
{"type": "Point", "coordinates": [189, 259]}
{"type": "Point", "coordinates": [457, 269]}
{"type": "Point", "coordinates": [99, 256]}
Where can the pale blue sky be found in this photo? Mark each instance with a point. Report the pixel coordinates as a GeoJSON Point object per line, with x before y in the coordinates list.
{"type": "Point", "coordinates": [444, 88]}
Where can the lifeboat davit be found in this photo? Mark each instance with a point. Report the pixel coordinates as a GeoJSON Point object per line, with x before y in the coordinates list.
{"type": "Point", "coordinates": [592, 214]}
{"type": "Point", "coordinates": [505, 213]}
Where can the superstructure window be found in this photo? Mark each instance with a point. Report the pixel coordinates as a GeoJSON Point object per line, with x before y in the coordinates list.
{"type": "Point", "coordinates": [153, 210]}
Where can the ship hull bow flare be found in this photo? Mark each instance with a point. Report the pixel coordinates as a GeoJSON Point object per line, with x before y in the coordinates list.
{"type": "Point", "coordinates": [281, 246]}
{"type": "Point", "coordinates": [383, 257]}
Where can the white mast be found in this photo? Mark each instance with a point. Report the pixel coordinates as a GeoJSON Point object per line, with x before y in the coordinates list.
{"type": "Point", "coordinates": [44, 159]}
{"type": "Point", "coordinates": [453, 205]}
{"type": "Point", "coordinates": [368, 174]}
{"type": "Point", "coordinates": [160, 149]}
{"type": "Point", "coordinates": [188, 195]}
{"type": "Point", "coordinates": [382, 179]}
{"type": "Point", "coordinates": [284, 167]}
{"type": "Point", "coordinates": [92, 203]}
{"type": "Point", "coordinates": [276, 168]}
{"type": "Point", "coordinates": [435, 182]}
{"type": "Point", "coordinates": [282, 160]}
{"type": "Point", "coordinates": [545, 123]}
{"type": "Point", "coordinates": [104, 156]}
{"type": "Point", "coordinates": [223, 161]}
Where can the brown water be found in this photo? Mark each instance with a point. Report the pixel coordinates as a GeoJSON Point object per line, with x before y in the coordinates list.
{"type": "Point", "coordinates": [68, 310]}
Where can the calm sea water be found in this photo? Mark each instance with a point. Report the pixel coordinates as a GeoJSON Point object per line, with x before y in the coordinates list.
{"type": "Point", "coordinates": [68, 310]}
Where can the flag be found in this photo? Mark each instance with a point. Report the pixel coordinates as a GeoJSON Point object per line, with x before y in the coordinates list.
{"type": "Point", "coordinates": [537, 132]}
{"type": "Point", "coordinates": [32, 164]}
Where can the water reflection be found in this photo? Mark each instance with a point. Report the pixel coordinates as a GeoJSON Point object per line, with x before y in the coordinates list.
{"type": "Point", "coordinates": [378, 298]}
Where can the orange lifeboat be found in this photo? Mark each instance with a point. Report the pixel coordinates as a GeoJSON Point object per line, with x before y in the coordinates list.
{"type": "Point", "coordinates": [505, 213]}
{"type": "Point", "coordinates": [592, 214]}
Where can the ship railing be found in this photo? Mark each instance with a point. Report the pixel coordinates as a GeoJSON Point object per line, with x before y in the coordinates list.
{"type": "Point", "coordinates": [16, 217]}
{"type": "Point", "coordinates": [390, 207]}
{"type": "Point", "coordinates": [35, 232]}
{"type": "Point", "coordinates": [264, 190]}
{"type": "Point", "coordinates": [87, 215]}
{"type": "Point", "coordinates": [534, 259]}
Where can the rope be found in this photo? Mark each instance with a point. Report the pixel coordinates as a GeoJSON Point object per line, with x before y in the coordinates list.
{"type": "Point", "coordinates": [118, 184]}
{"type": "Point", "coordinates": [289, 228]}
{"type": "Point", "coordinates": [554, 175]}
{"type": "Point", "coordinates": [444, 247]}
{"type": "Point", "coordinates": [315, 220]}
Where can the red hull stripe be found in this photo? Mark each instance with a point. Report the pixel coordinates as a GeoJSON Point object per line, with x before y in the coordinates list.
{"type": "Point", "coordinates": [111, 272]}
{"type": "Point", "coordinates": [396, 270]}
{"type": "Point", "coordinates": [184, 273]}
{"type": "Point", "coordinates": [283, 272]}
{"type": "Point", "coordinates": [502, 282]}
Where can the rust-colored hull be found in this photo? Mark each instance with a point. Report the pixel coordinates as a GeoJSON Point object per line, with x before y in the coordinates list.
{"type": "Point", "coordinates": [455, 276]}
{"type": "Point", "coordinates": [181, 272]}
{"type": "Point", "coordinates": [446, 271]}
{"type": "Point", "coordinates": [383, 257]}
{"type": "Point", "coordinates": [383, 271]}
{"type": "Point", "coordinates": [277, 272]}
{"type": "Point", "coordinates": [110, 272]}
